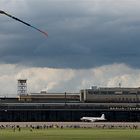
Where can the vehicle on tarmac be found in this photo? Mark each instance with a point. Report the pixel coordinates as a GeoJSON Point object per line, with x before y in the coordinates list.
{"type": "Point", "coordinates": [93, 119]}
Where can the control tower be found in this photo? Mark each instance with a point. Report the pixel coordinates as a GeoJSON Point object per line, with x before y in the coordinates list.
{"type": "Point", "coordinates": [22, 87]}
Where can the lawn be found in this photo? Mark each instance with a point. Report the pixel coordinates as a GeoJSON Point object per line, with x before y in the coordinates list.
{"type": "Point", "coordinates": [70, 134]}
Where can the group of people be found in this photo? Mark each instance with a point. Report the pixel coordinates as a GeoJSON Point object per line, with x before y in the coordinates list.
{"type": "Point", "coordinates": [44, 126]}
{"type": "Point", "coordinates": [111, 126]}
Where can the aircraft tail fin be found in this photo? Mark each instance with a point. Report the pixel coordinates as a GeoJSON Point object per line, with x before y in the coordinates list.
{"type": "Point", "coordinates": [103, 116]}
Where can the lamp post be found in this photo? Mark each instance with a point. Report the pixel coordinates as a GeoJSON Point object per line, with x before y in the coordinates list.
{"type": "Point", "coordinates": [65, 98]}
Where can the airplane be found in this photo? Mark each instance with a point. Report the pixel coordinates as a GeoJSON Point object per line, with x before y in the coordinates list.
{"type": "Point", "coordinates": [93, 119]}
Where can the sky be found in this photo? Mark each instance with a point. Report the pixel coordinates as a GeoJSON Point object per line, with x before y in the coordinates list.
{"type": "Point", "coordinates": [90, 42]}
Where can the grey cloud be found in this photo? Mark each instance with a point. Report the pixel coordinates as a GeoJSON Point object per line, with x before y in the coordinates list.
{"type": "Point", "coordinates": [82, 34]}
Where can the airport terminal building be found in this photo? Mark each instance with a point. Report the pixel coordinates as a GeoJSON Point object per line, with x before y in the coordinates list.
{"type": "Point", "coordinates": [117, 103]}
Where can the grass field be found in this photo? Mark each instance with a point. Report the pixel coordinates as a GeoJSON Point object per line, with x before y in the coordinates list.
{"type": "Point", "coordinates": [70, 134]}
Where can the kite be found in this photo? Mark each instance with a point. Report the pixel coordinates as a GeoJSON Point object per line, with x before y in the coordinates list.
{"type": "Point", "coordinates": [2, 12]}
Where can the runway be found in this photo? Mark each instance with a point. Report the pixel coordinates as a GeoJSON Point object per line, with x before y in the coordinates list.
{"type": "Point", "coordinates": [123, 125]}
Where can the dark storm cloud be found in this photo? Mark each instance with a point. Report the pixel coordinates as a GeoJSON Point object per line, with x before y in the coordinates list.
{"type": "Point", "coordinates": [82, 34]}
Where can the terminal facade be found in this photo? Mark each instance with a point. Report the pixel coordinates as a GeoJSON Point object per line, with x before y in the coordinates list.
{"type": "Point", "coordinates": [117, 103]}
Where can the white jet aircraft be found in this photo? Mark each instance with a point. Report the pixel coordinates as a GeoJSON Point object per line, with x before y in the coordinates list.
{"type": "Point", "coordinates": [93, 119]}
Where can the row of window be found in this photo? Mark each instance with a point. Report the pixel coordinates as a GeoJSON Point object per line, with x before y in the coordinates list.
{"type": "Point", "coordinates": [123, 99]}
{"type": "Point", "coordinates": [111, 92]}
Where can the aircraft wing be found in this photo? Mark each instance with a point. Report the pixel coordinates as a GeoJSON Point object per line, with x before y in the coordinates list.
{"type": "Point", "coordinates": [88, 119]}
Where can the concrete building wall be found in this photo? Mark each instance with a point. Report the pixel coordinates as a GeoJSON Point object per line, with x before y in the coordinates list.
{"type": "Point", "coordinates": [110, 95]}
